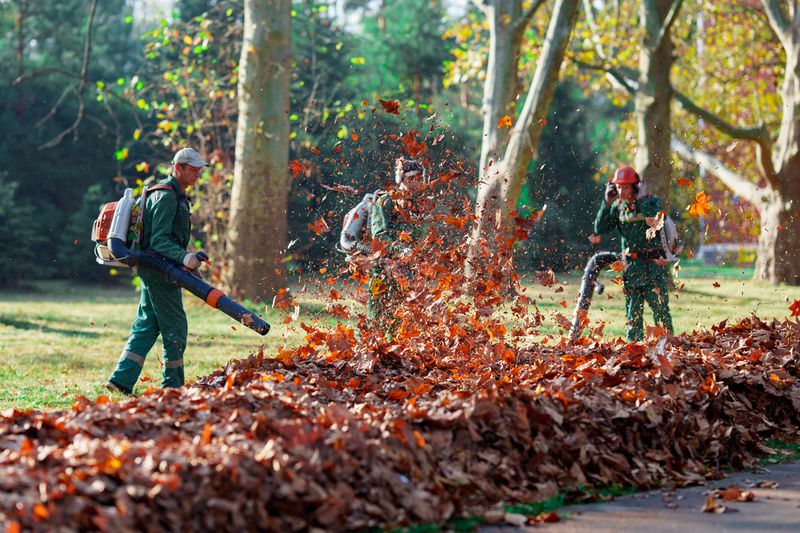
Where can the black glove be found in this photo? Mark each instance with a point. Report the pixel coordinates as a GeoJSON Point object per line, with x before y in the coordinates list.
{"type": "Point", "coordinates": [611, 193]}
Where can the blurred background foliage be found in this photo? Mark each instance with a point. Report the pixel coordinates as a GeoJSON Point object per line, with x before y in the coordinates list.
{"type": "Point", "coordinates": [159, 81]}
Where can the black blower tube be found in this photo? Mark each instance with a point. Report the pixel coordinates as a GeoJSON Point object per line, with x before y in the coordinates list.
{"type": "Point", "coordinates": [596, 263]}
{"type": "Point", "coordinates": [184, 279]}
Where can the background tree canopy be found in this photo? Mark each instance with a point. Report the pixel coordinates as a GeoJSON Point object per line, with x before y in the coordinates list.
{"type": "Point", "coordinates": [146, 84]}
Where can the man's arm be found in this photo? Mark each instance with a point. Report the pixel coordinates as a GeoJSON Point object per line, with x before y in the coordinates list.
{"type": "Point", "coordinates": [164, 208]}
{"type": "Point", "coordinates": [606, 219]}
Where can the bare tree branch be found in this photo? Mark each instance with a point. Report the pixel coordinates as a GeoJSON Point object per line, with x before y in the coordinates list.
{"type": "Point", "coordinates": [53, 110]}
{"type": "Point", "coordinates": [737, 183]}
{"type": "Point", "coordinates": [779, 20]}
{"type": "Point", "coordinates": [83, 79]}
{"type": "Point", "coordinates": [759, 134]}
{"type": "Point", "coordinates": [528, 15]}
{"type": "Point", "coordinates": [754, 133]}
{"type": "Point", "coordinates": [78, 118]}
{"type": "Point", "coordinates": [624, 77]}
{"type": "Point", "coordinates": [668, 22]}
{"type": "Point", "coordinates": [43, 72]}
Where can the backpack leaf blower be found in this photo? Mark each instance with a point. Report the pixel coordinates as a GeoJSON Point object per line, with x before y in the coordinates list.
{"type": "Point", "coordinates": [112, 235]}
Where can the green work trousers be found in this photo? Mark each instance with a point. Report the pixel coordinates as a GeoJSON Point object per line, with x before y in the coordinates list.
{"type": "Point", "coordinates": [384, 297]}
{"type": "Point", "coordinates": [657, 298]}
{"type": "Point", "coordinates": [160, 312]}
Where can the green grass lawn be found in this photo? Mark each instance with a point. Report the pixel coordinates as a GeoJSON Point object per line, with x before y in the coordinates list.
{"type": "Point", "coordinates": [60, 339]}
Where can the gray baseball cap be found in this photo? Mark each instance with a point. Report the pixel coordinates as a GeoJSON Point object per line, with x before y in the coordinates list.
{"type": "Point", "coordinates": [190, 157]}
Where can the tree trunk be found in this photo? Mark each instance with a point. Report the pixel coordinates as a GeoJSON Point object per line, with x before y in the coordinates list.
{"type": "Point", "coordinates": [525, 136]}
{"type": "Point", "coordinates": [779, 241]}
{"type": "Point", "coordinates": [500, 183]}
{"type": "Point", "coordinates": [20, 24]}
{"type": "Point", "coordinates": [500, 87]}
{"type": "Point", "coordinates": [258, 223]}
{"type": "Point", "coordinates": [499, 99]}
{"type": "Point", "coordinates": [769, 210]}
{"type": "Point", "coordinates": [787, 242]}
{"type": "Point", "coordinates": [652, 99]}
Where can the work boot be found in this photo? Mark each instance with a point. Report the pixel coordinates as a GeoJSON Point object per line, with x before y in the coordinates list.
{"type": "Point", "coordinates": [113, 387]}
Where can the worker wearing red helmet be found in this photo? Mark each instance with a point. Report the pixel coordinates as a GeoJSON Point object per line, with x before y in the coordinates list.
{"type": "Point", "coordinates": [631, 212]}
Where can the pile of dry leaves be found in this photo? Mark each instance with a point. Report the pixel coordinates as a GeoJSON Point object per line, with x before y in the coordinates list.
{"type": "Point", "coordinates": [295, 443]}
{"type": "Point", "coordinates": [454, 412]}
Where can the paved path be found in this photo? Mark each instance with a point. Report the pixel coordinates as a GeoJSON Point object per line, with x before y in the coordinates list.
{"type": "Point", "coordinates": [775, 508]}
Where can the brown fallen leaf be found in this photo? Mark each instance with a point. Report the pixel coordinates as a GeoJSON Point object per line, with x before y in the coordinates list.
{"type": "Point", "coordinates": [766, 484]}
{"type": "Point", "coordinates": [734, 493]}
{"type": "Point", "coordinates": [710, 506]}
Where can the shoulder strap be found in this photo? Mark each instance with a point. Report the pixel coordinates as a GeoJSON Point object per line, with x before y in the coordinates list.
{"type": "Point", "coordinates": [143, 204]}
{"type": "Point", "coordinates": [160, 187]}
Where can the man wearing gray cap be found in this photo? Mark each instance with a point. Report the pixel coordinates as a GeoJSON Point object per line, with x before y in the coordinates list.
{"type": "Point", "coordinates": [167, 228]}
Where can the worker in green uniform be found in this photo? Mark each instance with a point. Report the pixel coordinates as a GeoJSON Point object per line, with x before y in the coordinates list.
{"type": "Point", "coordinates": [645, 278]}
{"type": "Point", "coordinates": [167, 227]}
{"type": "Point", "coordinates": [396, 224]}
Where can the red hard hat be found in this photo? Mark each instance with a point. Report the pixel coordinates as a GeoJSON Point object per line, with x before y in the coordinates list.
{"type": "Point", "coordinates": [625, 176]}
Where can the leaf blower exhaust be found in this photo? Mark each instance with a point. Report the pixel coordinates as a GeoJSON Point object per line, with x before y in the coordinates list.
{"type": "Point", "coordinates": [112, 249]}
{"type": "Point", "coordinates": [589, 285]}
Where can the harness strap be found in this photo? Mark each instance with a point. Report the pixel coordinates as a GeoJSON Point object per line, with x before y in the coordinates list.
{"type": "Point", "coordinates": [143, 203]}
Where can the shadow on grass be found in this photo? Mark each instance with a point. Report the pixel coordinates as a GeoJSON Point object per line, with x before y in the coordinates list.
{"type": "Point", "coordinates": [27, 325]}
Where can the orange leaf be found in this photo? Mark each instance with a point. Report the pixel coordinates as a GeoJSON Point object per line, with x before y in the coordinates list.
{"type": "Point", "coordinates": [13, 527]}
{"type": "Point", "coordinates": [319, 226]}
{"type": "Point", "coordinates": [207, 433]}
{"type": "Point", "coordinates": [297, 168]}
{"type": "Point", "coordinates": [795, 308]}
{"type": "Point", "coordinates": [399, 394]}
{"type": "Point", "coordinates": [617, 266]}
{"type": "Point", "coordinates": [683, 182]}
{"type": "Point", "coordinates": [41, 511]}
{"type": "Point", "coordinates": [412, 147]}
{"type": "Point", "coordinates": [504, 122]}
{"type": "Point", "coordinates": [283, 299]}
{"type": "Point", "coordinates": [456, 222]}
{"type": "Point", "coordinates": [700, 205]}
{"type": "Point", "coordinates": [390, 106]}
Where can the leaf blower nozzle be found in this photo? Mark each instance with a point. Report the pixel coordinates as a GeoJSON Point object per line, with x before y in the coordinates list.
{"type": "Point", "coordinates": [183, 278]}
{"type": "Point", "coordinates": [589, 285]}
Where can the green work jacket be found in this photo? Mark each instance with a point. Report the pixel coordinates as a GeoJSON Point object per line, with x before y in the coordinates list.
{"type": "Point", "coordinates": [387, 225]}
{"type": "Point", "coordinates": [630, 222]}
{"type": "Point", "coordinates": [167, 223]}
